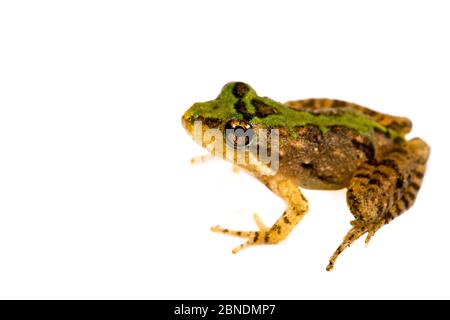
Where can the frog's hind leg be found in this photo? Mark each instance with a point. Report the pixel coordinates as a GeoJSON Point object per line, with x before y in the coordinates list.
{"type": "Point", "coordinates": [378, 193]}
{"type": "Point", "coordinates": [409, 194]}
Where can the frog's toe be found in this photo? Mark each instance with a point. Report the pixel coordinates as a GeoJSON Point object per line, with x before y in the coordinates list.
{"type": "Point", "coordinates": [263, 236]}
{"type": "Point", "coordinates": [202, 159]}
{"type": "Point", "coordinates": [254, 237]}
{"type": "Point", "coordinates": [242, 246]}
{"type": "Point", "coordinates": [259, 223]}
{"type": "Point", "coordinates": [242, 234]}
{"type": "Point", "coordinates": [370, 234]}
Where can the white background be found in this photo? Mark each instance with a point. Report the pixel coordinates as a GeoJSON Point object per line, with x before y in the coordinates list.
{"type": "Point", "coordinates": [97, 196]}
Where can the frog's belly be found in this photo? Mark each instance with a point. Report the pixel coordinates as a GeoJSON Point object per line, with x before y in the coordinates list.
{"type": "Point", "coordinates": [320, 174]}
{"type": "Point", "coordinates": [321, 185]}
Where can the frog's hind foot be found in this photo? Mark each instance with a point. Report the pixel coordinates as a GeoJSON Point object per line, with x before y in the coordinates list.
{"type": "Point", "coordinates": [352, 235]}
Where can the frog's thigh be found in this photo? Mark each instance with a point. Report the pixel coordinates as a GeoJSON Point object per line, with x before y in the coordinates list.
{"type": "Point", "coordinates": [379, 193]}
{"type": "Point", "coordinates": [297, 207]}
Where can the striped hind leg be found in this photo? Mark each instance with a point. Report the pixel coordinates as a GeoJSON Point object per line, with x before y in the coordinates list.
{"type": "Point", "coordinates": [406, 201]}
{"type": "Point", "coordinates": [378, 193]}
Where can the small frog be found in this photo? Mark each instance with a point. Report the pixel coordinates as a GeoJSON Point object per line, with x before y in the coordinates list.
{"type": "Point", "coordinates": [321, 144]}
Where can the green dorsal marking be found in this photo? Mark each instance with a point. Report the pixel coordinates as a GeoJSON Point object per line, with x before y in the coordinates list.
{"type": "Point", "coordinates": [223, 108]}
{"type": "Point", "coordinates": [290, 118]}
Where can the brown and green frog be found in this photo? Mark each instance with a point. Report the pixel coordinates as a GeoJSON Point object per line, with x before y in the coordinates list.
{"type": "Point", "coordinates": [320, 144]}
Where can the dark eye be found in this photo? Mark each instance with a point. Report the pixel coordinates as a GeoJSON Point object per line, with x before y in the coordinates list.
{"type": "Point", "coordinates": [239, 133]}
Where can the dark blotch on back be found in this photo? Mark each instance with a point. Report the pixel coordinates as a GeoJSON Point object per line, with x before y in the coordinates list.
{"type": "Point", "coordinates": [395, 126]}
{"type": "Point", "coordinates": [399, 140]}
{"type": "Point", "coordinates": [386, 133]}
{"type": "Point", "coordinates": [242, 109]}
{"type": "Point", "coordinates": [338, 104]}
{"type": "Point", "coordinates": [310, 133]}
{"type": "Point", "coordinates": [310, 103]}
{"type": "Point", "coordinates": [240, 90]}
{"type": "Point", "coordinates": [262, 109]}
{"type": "Point", "coordinates": [367, 149]}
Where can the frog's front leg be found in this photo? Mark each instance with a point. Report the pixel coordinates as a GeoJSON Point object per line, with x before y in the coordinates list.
{"type": "Point", "coordinates": [297, 207]}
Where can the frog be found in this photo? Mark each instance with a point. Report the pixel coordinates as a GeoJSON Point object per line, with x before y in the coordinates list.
{"type": "Point", "coordinates": [322, 144]}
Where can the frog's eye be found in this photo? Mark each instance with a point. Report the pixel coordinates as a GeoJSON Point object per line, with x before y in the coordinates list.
{"type": "Point", "coordinates": [239, 133]}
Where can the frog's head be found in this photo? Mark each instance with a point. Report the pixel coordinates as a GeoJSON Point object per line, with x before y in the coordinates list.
{"type": "Point", "coordinates": [234, 118]}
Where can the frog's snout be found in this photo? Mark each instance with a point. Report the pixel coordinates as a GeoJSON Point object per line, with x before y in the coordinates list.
{"type": "Point", "coordinates": [188, 118]}
{"type": "Point", "coordinates": [184, 121]}
{"type": "Point", "coordinates": [187, 124]}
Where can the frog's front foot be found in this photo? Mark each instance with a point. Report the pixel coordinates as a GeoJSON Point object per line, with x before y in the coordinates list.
{"type": "Point", "coordinates": [263, 236]}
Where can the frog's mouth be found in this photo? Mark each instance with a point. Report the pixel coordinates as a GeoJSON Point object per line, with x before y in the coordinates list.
{"type": "Point", "coordinates": [196, 128]}
{"type": "Point", "coordinates": [187, 125]}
